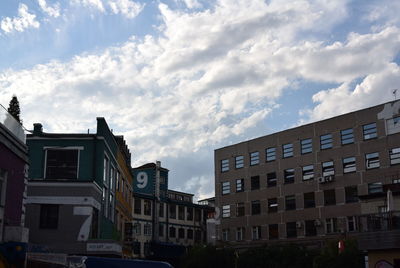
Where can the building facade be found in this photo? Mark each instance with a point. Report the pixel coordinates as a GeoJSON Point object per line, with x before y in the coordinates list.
{"type": "Point", "coordinates": [302, 185]}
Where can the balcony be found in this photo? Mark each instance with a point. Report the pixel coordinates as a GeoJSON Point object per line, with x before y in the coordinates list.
{"type": "Point", "coordinates": [11, 124]}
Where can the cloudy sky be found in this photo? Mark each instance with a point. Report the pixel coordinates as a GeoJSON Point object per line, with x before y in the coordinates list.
{"type": "Point", "coordinates": [180, 78]}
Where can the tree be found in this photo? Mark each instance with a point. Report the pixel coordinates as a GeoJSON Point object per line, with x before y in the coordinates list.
{"type": "Point", "coordinates": [13, 108]}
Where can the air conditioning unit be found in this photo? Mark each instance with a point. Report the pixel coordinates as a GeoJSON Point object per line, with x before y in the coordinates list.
{"type": "Point", "coordinates": [321, 179]}
{"type": "Point", "coordinates": [299, 224]}
{"type": "Point", "coordinates": [317, 222]}
{"type": "Point", "coordinates": [329, 178]}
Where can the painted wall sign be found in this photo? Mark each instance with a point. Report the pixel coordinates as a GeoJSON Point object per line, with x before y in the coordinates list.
{"type": "Point", "coordinates": [144, 181]}
{"type": "Point", "coordinates": [103, 247]}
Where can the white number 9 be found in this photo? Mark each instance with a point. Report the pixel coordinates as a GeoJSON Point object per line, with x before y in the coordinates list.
{"type": "Point", "coordinates": [142, 180]}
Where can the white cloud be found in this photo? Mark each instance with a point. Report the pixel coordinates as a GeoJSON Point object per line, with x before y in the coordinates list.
{"type": "Point", "coordinates": [53, 11]}
{"type": "Point", "coordinates": [24, 21]}
{"type": "Point", "coordinates": [96, 4]}
{"type": "Point", "coordinates": [129, 9]}
{"type": "Point", "coordinates": [192, 3]}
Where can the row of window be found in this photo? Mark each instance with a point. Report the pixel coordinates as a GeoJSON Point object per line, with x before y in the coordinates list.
{"type": "Point", "coordinates": [306, 146]}
{"type": "Point", "coordinates": [293, 229]}
{"type": "Point", "coordinates": [328, 171]}
{"type": "Point", "coordinates": [351, 196]}
{"type": "Point", "coordinates": [175, 211]}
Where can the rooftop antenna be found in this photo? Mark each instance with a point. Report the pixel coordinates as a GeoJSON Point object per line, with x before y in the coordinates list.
{"type": "Point", "coordinates": [394, 92]}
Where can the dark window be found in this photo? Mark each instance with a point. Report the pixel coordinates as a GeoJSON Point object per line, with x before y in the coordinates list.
{"type": "Point", "coordinates": [288, 175]}
{"type": "Point", "coordinates": [311, 229]}
{"type": "Point", "coordinates": [290, 202]}
{"type": "Point", "coordinates": [328, 169]}
{"type": "Point", "coordinates": [181, 213]}
{"type": "Point", "coordinates": [326, 141]}
{"type": "Point", "coordinates": [161, 210]}
{"type": "Point", "coordinates": [254, 158]}
{"type": "Point", "coordinates": [239, 209]}
{"type": "Point", "coordinates": [331, 225]}
{"type": "Point", "coordinates": [329, 197]}
{"type": "Point", "coordinates": [351, 223]}
{"type": "Point", "coordinates": [369, 131]}
{"type": "Point", "coordinates": [181, 233]}
{"type": "Point", "coordinates": [239, 161]}
{"type": "Point", "coordinates": [375, 187]}
{"type": "Point", "coordinates": [239, 233]}
{"type": "Point", "coordinates": [255, 207]}
{"type": "Point", "coordinates": [271, 179]}
{"type": "Point", "coordinates": [161, 230]}
{"type": "Point", "coordinates": [197, 236]}
{"type": "Point", "coordinates": [270, 154]}
{"type": "Point", "coordinates": [272, 205]}
{"type": "Point", "coordinates": [172, 232]}
{"type": "Point", "coordinates": [273, 231]}
{"type": "Point", "coordinates": [287, 150]}
{"type": "Point", "coordinates": [349, 164]}
{"type": "Point", "coordinates": [48, 216]}
{"type": "Point", "coordinates": [147, 207]}
{"type": "Point", "coordinates": [351, 194]}
{"type": "Point", "coordinates": [347, 136]}
{"type": "Point", "coordinates": [190, 234]}
{"type": "Point", "coordinates": [309, 200]}
{"type": "Point", "coordinates": [394, 155]}
{"type": "Point", "coordinates": [172, 211]}
{"type": "Point", "coordinates": [224, 165]}
{"type": "Point", "coordinates": [372, 160]}
{"type": "Point", "coordinates": [226, 187]}
{"type": "Point", "coordinates": [239, 185]}
{"type": "Point", "coordinates": [256, 232]}
{"type": "Point", "coordinates": [197, 214]}
{"type": "Point", "coordinates": [255, 182]}
{"type": "Point", "coordinates": [291, 230]}
{"type": "Point", "coordinates": [225, 234]}
{"type": "Point", "coordinates": [308, 172]}
{"type": "Point", "coordinates": [306, 146]}
{"type": "Point", "coordinates": [189, 213]}
{"type": "Point", "coordinates": [138, 206]}
{"type": "Point", "coordinates": [62, 164]}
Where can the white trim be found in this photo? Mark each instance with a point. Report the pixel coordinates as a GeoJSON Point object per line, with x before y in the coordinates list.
{"type": "Point", "coordinates": [62, 138]}
{"type": "Point", "coordinates": [64, 147]}
{"type": "Point", "coordinates": [64, 200]}
{"type": "Point", "coordinates": [65, 184]}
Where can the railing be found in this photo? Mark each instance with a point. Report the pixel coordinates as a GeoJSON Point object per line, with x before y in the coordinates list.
{"type": "Point", "coordinates": [386, 221]}
{"type": "Point", "coordinates": [11, 124]}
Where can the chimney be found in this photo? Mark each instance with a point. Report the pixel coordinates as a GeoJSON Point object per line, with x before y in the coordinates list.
{"type": "Point", "coordinates": [37, 129]}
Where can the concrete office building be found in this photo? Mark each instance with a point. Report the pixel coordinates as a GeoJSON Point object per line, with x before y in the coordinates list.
{"type": "Point", "coordinates": [303, 184]}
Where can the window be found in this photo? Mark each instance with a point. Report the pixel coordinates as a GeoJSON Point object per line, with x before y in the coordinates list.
{"type": "Point", "coordinates": [181, 213]}
{"type": "Point", "coordinates": [181, 233]}
{"type": "Point", "coordinates": [48, 216]}
{"type": "Point", "coordinates": [255, 182]}
{"type": "Point", "coordinates": [351, 224]}
{"type": "Point", "coordinates": [138, 206]}
{"type": "Point", "coordinates": [61, 164]}
{"type": "Point", "coordinates": [256, 232]}
{"type": "Point", "coordinates": [311, 229]}
{"type": "Point", "coordinates": [239, 233]}
{"type": "Point", "coordinates": [226, 211]}
{"type": "Point", "coordinates": [375, 187]}
{"type": "Point", "coordinates": [224, 165]}
{"type": "Point", "coordinates": [161, 210]}
{"type": "Point", "coordinates": [326, 141]}
{"type": "Point", "coordinates": [272, 205]}
{"type": "Point", "coordinates": [349, 164]}
{"type": "Point", "coordinates": [394, 155]}
{"type": "Point", "coordinates": [309, 200]}
{"type": "Point", "coordinates": [330, 197]}
{"type": "Point", "coordinates": [147, 207]}
{"type": "Point", "coordinates": [189, 213]}
{"type": "Point", "coordinates": [372, 160]}
{"type": "Point", "coordinates": [288, 175]}
{"type": "Point", "coordinates": [147, 229]}
{"type": "Point", "coordinates": [112, 178]}
{"type": "Point", "coordinates": [306, 146]}
{"type": "Point", "coordinates": [172, 211]}
{"type": "Point", "coordinates": [308, 172]}
{"type": "Point", "coordinates": [290, 202]}
{"type": "Point", "coordinates": [239, 161]}
{"type": "Point", "coordinates": [254, 158]}
{"type": "Point", "coordinates": [190, 234]}
{"type": "Point", "coordinates": [271, 179]}
{"type": "Point", "coordinates": [172, 232]}
{"type": "Point", "coordinates": [239, 209]}
{"type": "Point", "coordinates": [225, 234]}
{"type": "Point", "coordinates": [255, 207]}
{"type": "Point", "coordinates": [197, 236]}
{"type": "Point", "coordinates": [105, 170]}
{"type": "Point", "coordinates": [347, 136]}
{"type": "Point", "coordinates": [351, 194]}
{"type": "Point", "coordinates": [369, 131]}
{"type": "Point", "coordinates": [273, 231]}
{"type": "Point", "coordinates": [197, 214]}
{"type": "Point", "coordinates": [137, 229]}
{"type": "Point", "coordinates": [287, 150]}
{"type": "Point", "coordinates": [226, 187]}
{"type": "Point", "coordinates": [291, 230]}
{"type": "Point", "coordinates": [270, 154]}
{"type": "Point", "coordinates": [328, 169]}
{"type": "Point", "coordinates": [393, 125]}
{"type": "Point", "coordinates": [331, 225]}
{"type": "Point", "coordinates": [239, 185]}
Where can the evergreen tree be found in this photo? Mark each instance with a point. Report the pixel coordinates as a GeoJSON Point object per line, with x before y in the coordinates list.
{"type": "Point", "coordinates": [13, 108]}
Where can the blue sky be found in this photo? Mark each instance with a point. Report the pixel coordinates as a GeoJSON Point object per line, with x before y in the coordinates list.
{"type": "Point", "coordinates": [180, 78]}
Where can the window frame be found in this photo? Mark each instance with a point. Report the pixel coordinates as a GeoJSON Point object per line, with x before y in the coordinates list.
{"type": "Point", "coordinates": [226, 211]}
{"type": "Point", "coordinates": [347, 136]}
{"type": "Point", "coordinates": [329, 198]}
{"type": "Point", "coordinates": [309, 202]}
{"type": "Point", "coordinates": [254, 158]}
{"type": "Point", "coordinates": [270, 154]}
{"type": "Point", "coordinates": [49, 216]}
{"type": "Point", "coordinates": [350, 165]}
{"type": "Point", "coordinates": [291, 229]}
{"type": "Point", "coordinates": [272, 181]}
{"type": "Point", "coordinates": [287, 150]}
{"type": "Point", "coordinates": [272, 204]}
{"type": "Point", "coordinates": [239, 185]}
{"type": "Point", "coordinates": [290, 202]}
{"type": "Point", "coordinates": [372, 160]}
{"type": "Point", "coordinates": [370, 131]}
{"type": "Point", "coordinates": [289, 175]}
{"type": "Point", "coordinates": [326, 141]}
{"type": "Point", "coordinates": [328, 168]}
{"type": "Point", "coordinates": [225, 187]}
{"type": "Point", "coordinates": [255, 183]}
{"type": "Point", "coordinates": [307, 172]}
{"type": "Point", "coordinates": [351, 194]}
{"type": "Point", "coordinates": [375, 187]}
{"type": "Point", "coordinates": [240, 209]}
{"type": "Point", "coordinates": [61, 149]}
{"type": "Point", "coordinates": [306, 146]}
{"type": "Point", "coordinates": [255, 207]}
{"type": "Point", "coordinates": [394, 157]}
{"type": "Point", "coordinates": [239, 161]}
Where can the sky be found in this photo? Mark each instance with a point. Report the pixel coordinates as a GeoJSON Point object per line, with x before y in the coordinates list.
{"type": "Point", "coordinates": [181, 78]}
